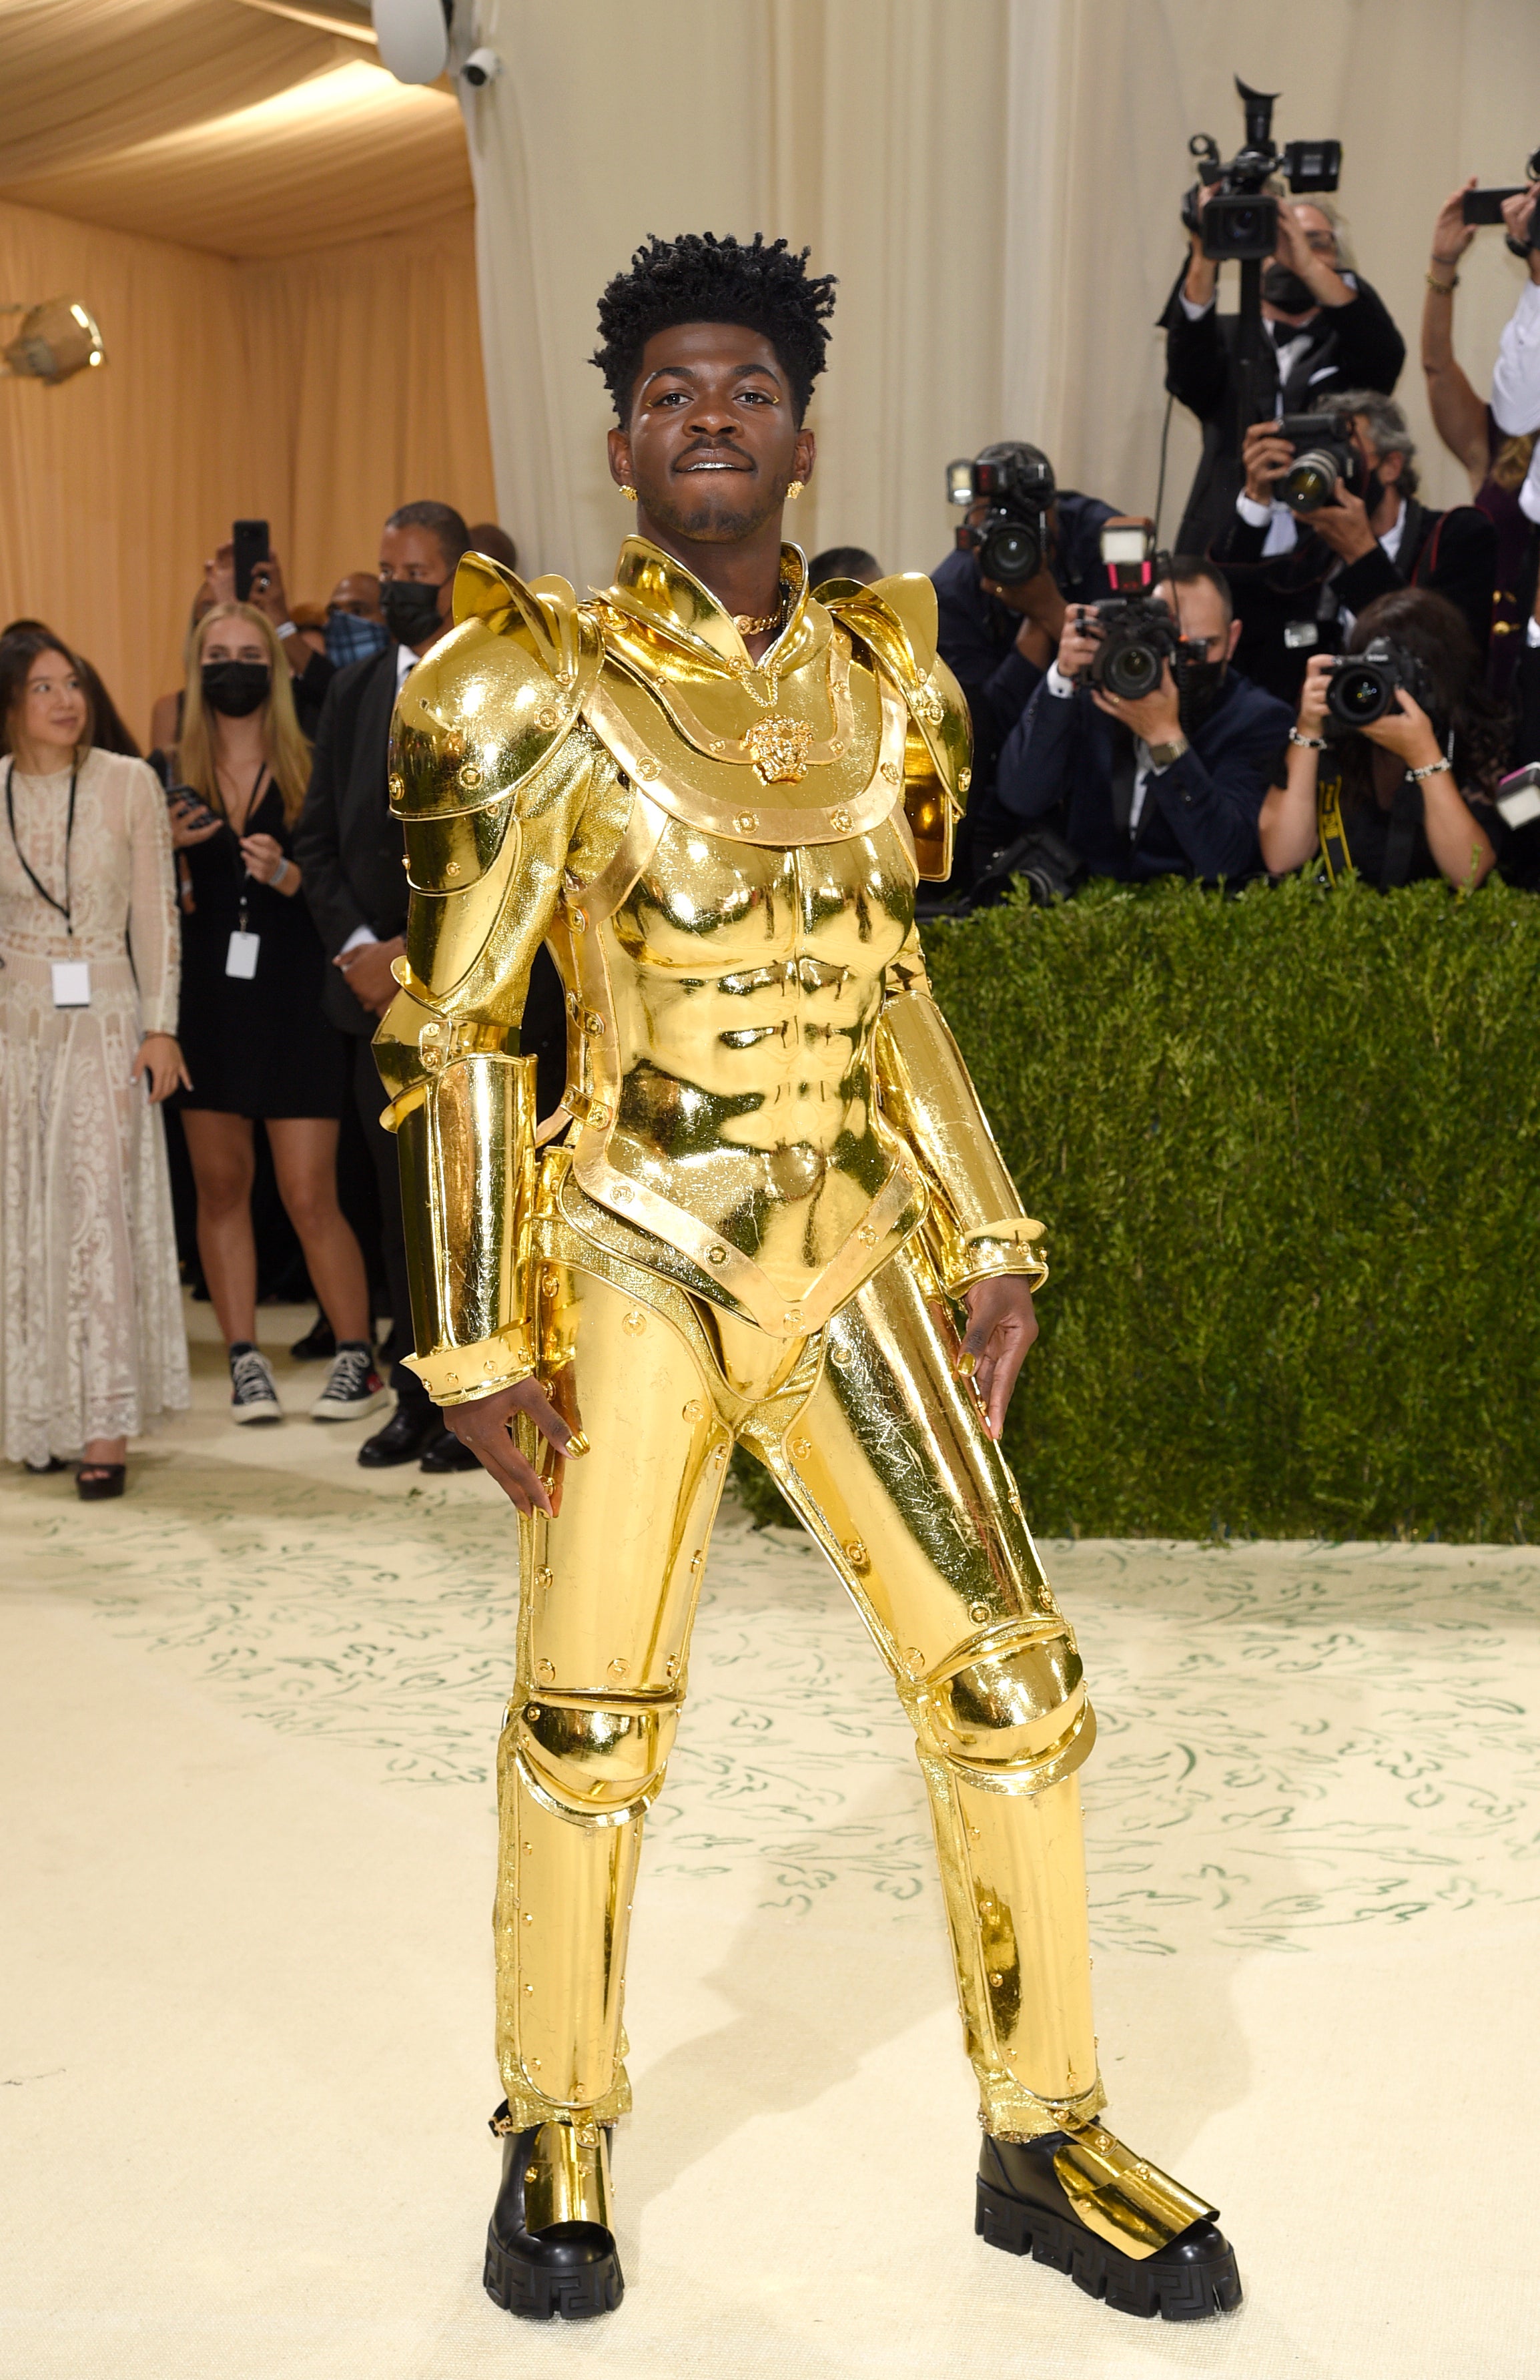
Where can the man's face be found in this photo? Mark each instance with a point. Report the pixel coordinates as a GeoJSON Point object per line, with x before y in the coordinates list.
{"type": "Point", "coordinates": [1201, 622]}
{"type": "Point", "coordinates": [416, 554]}
{"type": "Point", "coordinates": [1388, 465]}
{"type": "Point", "coordinates": [1315, 230]}
{"type": "Point", "coordinates": [357, 592]}
{"type": "Point", "coordinates": [712, 439]}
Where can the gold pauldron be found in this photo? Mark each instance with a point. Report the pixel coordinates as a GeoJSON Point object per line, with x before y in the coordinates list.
{"type": "Point", "coordinates": [466, 1139]}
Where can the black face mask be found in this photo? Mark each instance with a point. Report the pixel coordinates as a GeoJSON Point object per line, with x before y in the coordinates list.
{"type": "Point", "coordinates": [411, 609]}
{"type": "Point", "coordinates": [1372, 489]}
{"type": "Point", "coordinates": [1198, 687]}
{"type": "Point", "coordinates": [1283, 288]}
{"type": "Point", "coordinates": [236, 688]}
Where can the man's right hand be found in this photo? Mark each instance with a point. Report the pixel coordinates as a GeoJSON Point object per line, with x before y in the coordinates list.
{"type": "Point", "coordinates": [1265, 458]}
{"type": "Point", "coordinates": [1313, 693]}
{"type": "Point", "coordinates": [1518, 215]}
{"type": "Point", "coordinates": [367, 969]}
{"type": "Point", "coordinates": [1077, 646]}
{"type": "Point", "coordinates": [486, 1426]}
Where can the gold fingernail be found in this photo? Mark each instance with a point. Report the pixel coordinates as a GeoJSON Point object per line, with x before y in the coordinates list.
{"type": "Point", "coordinates": [967, 1365]}
{"type": "Point", "coordinates": [576, 1445]}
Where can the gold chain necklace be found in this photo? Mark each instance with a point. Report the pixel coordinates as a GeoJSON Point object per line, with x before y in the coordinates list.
{"type": "Point", "coordinates": [747, 625]}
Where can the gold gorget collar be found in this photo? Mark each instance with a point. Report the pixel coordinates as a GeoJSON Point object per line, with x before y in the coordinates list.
{"type": "Point", "coordinates": [654, 594]}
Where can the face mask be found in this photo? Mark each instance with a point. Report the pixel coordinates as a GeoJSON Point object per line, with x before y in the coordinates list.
{"type": "Point", "coordinates": [1372, 489]}
{"type": "Point", "coordinates": [1284, 289]}
{"type": "Point", "coordinates": [1198, 687]}
{"type": "Point", "coordinates": [348, 638]}
{"type": "Point", "coordinates": [236, 688]}
{"type": "Point", "coordinates": [411, 609]}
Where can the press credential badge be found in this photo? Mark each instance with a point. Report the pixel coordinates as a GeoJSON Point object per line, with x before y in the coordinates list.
{"type": "Point", "coordinates": [241, 957]}
{"type": "Point", "coordinates": [71, 983]}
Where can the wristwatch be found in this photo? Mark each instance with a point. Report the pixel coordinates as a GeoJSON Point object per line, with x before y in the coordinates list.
{"type": "Point", "coordinates": [1162, 755]}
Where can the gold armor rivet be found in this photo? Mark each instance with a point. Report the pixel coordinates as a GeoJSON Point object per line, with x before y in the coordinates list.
{"type": "Point", "coordinates": [580, 919]}
{"type": "Point", "coordinates": [542, 1580]}
{"type": "Point", "coordinates": [599, 1114]}
{"type": "Point", "coordinates": [978, 1613]}
{"type": "Point", "coordinates": [802, 1448]}
{"type": "Point", "coordinates": [857, 1554]}
{"type": "Point", "coordinates": [635, 1321]}
{"type": "Point", "coordinates": [529, 1850]}
{"type": "Point", "coordinates": [670, 1668]}
{"type": "Point", "coordinates": [533, 1711]}
{"type": "Point", "coordinates": [535, 2065]}
{"type": "Point", "coordinates": [624, 1192]}
{"type": "Point", "coordinates": [619, 1668]}
{"type": "Point", "coordinates": [964, 779]}
{"type": "Point", "coordinates": [397, 787]}
{"type": "Point", "coordinates": [866, 1235]}
{"type": "Point", "coordinates": [720, 1454]}
{"type": "Point", "coordinates": [528, 1917]}
{"type": "Point", "coordinates": [694, 1409]}
{"type": "Point", "coordinates": [792, 1318]}
{"type": "Point", "coordinates": [470, 776]}
{"type": "Point", "coordinates": [746, 821]}
{"type": "Point", "coordinates": [695, 1560]}
{"type": "Point", "coordinates": [547, 717]}
{"type": "Point", "coordinates": [573, 1003]}
{"type": "Point", "coordinates": [406, 862]}
{"type": "Point", "coordinates": [546, 1671]}
{"type": "Point", "coordinates": [997, 1980]}
{"type": "Point", "coordinates": [452, 868]}
{"type": "Point", "coordinates": [914, 1660]}
{"type": "Point", "coordinates": [594, 1024]}
{"type": "Point", "coordinates": [836, 746]}
{"type": "Point", "coordinates": [528, 1988]}
{"type": "Point", "coordinates": [717, 1256]}
{"type": "Point", "coordinates": [550, 1282]}
{"type": "Point", "coordinates": [839, 820]}
{"type": "Point", "coordinates": [889, 770]}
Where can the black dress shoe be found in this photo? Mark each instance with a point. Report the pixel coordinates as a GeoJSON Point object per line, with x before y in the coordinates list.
{"type": "Point", "coordinates": [445, 1453]}
{"type": "Point", "coordinates": [1023, 2207]}
{"type": "Point", "coordinates": [567, 2268]}
{"type": "Point", "coordinates": [408, 1430]}
{"type": "Point", "coordinates": [319, 1344]}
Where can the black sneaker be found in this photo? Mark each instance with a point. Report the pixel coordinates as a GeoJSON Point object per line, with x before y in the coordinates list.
{"type": "Point", "coordinates": [353, 1386]}
{"type": "Point", "coordinates": [253, 1392]}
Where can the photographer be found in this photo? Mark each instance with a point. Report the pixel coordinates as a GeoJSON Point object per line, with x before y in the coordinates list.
{"type": "Point", "coordinates": [1169, 784]}
{"type": "Point", "coordinates": [1300, 579]}
{"type": "Point", "coordinates": [1408, 795]}
{"type": "Point", "coordinates": [998, 640]}
{"type": "Point", "coordinates": [1326, 330]}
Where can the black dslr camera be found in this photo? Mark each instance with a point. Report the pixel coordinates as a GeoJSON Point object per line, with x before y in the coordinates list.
{"type": "Point", "coordinates": [1017, 482]}
{"type": "Point", "coordinates": [1240, 219]}
{"type": "Point", "coordinates": [1325, 456]}
{"type": "Point", "coordinates": [1138, 633]}
{"type": "Point", "coordinates": [1363, 686]}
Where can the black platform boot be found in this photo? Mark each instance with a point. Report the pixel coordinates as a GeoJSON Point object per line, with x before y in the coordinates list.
{"type": "Point", "coordinates": [1120, 2228]}
{"type": "Point", "coordinates": [557, 2264]}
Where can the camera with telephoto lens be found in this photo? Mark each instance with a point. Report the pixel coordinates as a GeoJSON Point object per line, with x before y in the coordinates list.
{"type": "Point", "coordinates": [1325, 457]}
{"type": "Point", "coordinates": [1240, 218]}
{"type": "Point", "coordinates": [1361, 687]}
{"type": "Point", "coordinates": [1016, 483]}
{"type": "Point", "coordinates": [1137, 634]}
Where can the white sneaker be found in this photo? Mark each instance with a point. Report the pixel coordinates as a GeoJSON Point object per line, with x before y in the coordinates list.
{"type": "Point", "coordinates": [353, 1386]}
{"type": "Point", "coordinates": [254, 1392]}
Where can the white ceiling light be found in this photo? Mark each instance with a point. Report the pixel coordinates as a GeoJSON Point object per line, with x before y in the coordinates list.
{"type": "Point", "coordinates": [56, 340]}
{"type": "Point", "coordinates": [413, 37]}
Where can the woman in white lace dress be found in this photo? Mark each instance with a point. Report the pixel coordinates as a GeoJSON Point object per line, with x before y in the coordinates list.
{"type": "Point", "coordinates": [92, 1341]}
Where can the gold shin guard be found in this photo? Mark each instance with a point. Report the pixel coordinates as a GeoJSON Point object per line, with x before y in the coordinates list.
{"type": "Point", "coordinates": [882, 1451]}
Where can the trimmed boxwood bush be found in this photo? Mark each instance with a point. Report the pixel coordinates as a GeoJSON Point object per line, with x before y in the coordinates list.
{"type": "Point", "coordinates": [1285, 1145]}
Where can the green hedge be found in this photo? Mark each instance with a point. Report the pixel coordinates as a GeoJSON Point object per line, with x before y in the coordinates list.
{"type": "Point", "coordinates": [1285, 1148]}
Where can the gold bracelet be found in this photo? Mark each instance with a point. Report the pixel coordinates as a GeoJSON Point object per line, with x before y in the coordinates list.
{"type": "Point", "coordinates": [1445, 288]}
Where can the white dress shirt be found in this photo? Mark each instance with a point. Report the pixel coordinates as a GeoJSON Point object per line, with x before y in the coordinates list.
{"type": "Point", "coordinates": [1061, 688]}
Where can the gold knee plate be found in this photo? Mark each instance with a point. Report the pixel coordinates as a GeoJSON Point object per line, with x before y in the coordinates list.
{"type": "Point", "coordinates": [602, 1762]}
{"type": "Point", "coordinates": [1122, 2198]}
{"type": "Point", "coordinates": [567, 2177]}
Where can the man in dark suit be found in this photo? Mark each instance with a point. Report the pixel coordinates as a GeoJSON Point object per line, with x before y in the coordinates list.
{"type": "Point", "coordinates": [1300, 582]}
{"type": "Point", "coordinates": [998, 640]}
{"type": "Point", "coordinates": [1324, 329]}
{"type": "Point", "coordinates": [352, 853]}
{"type": "Point", "coordinates": [1169, 785]}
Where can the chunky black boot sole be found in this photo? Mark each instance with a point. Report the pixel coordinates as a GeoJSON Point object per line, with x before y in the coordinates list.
{"type": "Point", "coordinates": [531, 2290]}
{"type": "Point", "coordinates": [1188, 2291]}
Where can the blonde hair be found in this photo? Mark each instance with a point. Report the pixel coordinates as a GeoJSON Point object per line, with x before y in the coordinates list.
{"type": "Point", "coordinates": [288, 753]}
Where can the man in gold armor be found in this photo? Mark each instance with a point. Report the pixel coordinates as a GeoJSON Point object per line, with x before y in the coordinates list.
{"type": "Point", "coordinates": [766, 1206]}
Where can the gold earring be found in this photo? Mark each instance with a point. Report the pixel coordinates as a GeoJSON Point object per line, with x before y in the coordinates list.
{"type": "Point", "coordinates": [628, 491]}
{"type": "Point", "coordinates": [794, 489]}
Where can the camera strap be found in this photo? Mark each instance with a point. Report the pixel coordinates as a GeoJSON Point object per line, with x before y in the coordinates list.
{"type": "Point", "coordinates": [1329, 828]}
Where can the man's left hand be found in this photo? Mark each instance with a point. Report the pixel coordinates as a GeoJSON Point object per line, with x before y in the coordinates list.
{"type": "Point", "coordinates": [1344, 526]}
{"type": "Point", "coordinates": [1155, 718]}
{"type": "Point", "coordinates": [367, 970]}
{"type": "Point", "coordinates": [1001, 1326]}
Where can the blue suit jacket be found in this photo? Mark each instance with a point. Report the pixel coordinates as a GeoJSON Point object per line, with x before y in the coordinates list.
{"type": "Point", "coordinates": [1199, 816]}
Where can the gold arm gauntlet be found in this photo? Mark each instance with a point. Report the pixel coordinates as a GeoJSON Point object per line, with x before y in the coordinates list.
{"type": "Point", "coordinates": [465, 1139]}
{"type": "Point", "coordinates": [976, 1227]}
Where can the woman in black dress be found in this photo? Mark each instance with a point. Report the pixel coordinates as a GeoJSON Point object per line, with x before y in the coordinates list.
{"type": "Point", "coordinates": [253, 1036]}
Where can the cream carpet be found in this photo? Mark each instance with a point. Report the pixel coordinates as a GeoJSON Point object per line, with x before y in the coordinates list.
{"type": "Point", "coordinates": [244, 1986]}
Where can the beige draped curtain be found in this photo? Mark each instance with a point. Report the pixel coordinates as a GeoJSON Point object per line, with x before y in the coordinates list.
{"type": "Point", "coordinates": [996, 185]}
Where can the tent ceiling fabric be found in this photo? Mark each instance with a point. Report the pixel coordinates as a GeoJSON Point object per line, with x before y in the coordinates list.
{"type": "Point", "coordinates": [224, 125]}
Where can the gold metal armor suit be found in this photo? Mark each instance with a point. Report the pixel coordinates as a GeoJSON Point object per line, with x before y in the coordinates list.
{"type": "Point", "coordinates": [768, 1185]}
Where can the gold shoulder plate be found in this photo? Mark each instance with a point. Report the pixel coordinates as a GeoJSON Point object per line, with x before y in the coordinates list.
{"type": "Point", "coordinates": [486, 708]}
{"type": "Point", "coordinates": [896, 619]}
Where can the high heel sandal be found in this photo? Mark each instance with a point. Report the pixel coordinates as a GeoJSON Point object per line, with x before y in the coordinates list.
{"type": "Point", "coordinates": [94, 1482]}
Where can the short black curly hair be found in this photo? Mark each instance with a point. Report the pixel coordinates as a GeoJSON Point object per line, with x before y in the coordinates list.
{"type": "Point", "coordinates": [698, 278]}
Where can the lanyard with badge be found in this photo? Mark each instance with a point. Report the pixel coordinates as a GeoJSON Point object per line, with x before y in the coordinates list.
{"type": "Point", "coordinates": [71, 976]}
{"type": "Point", "coordinates": [240, 959]}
